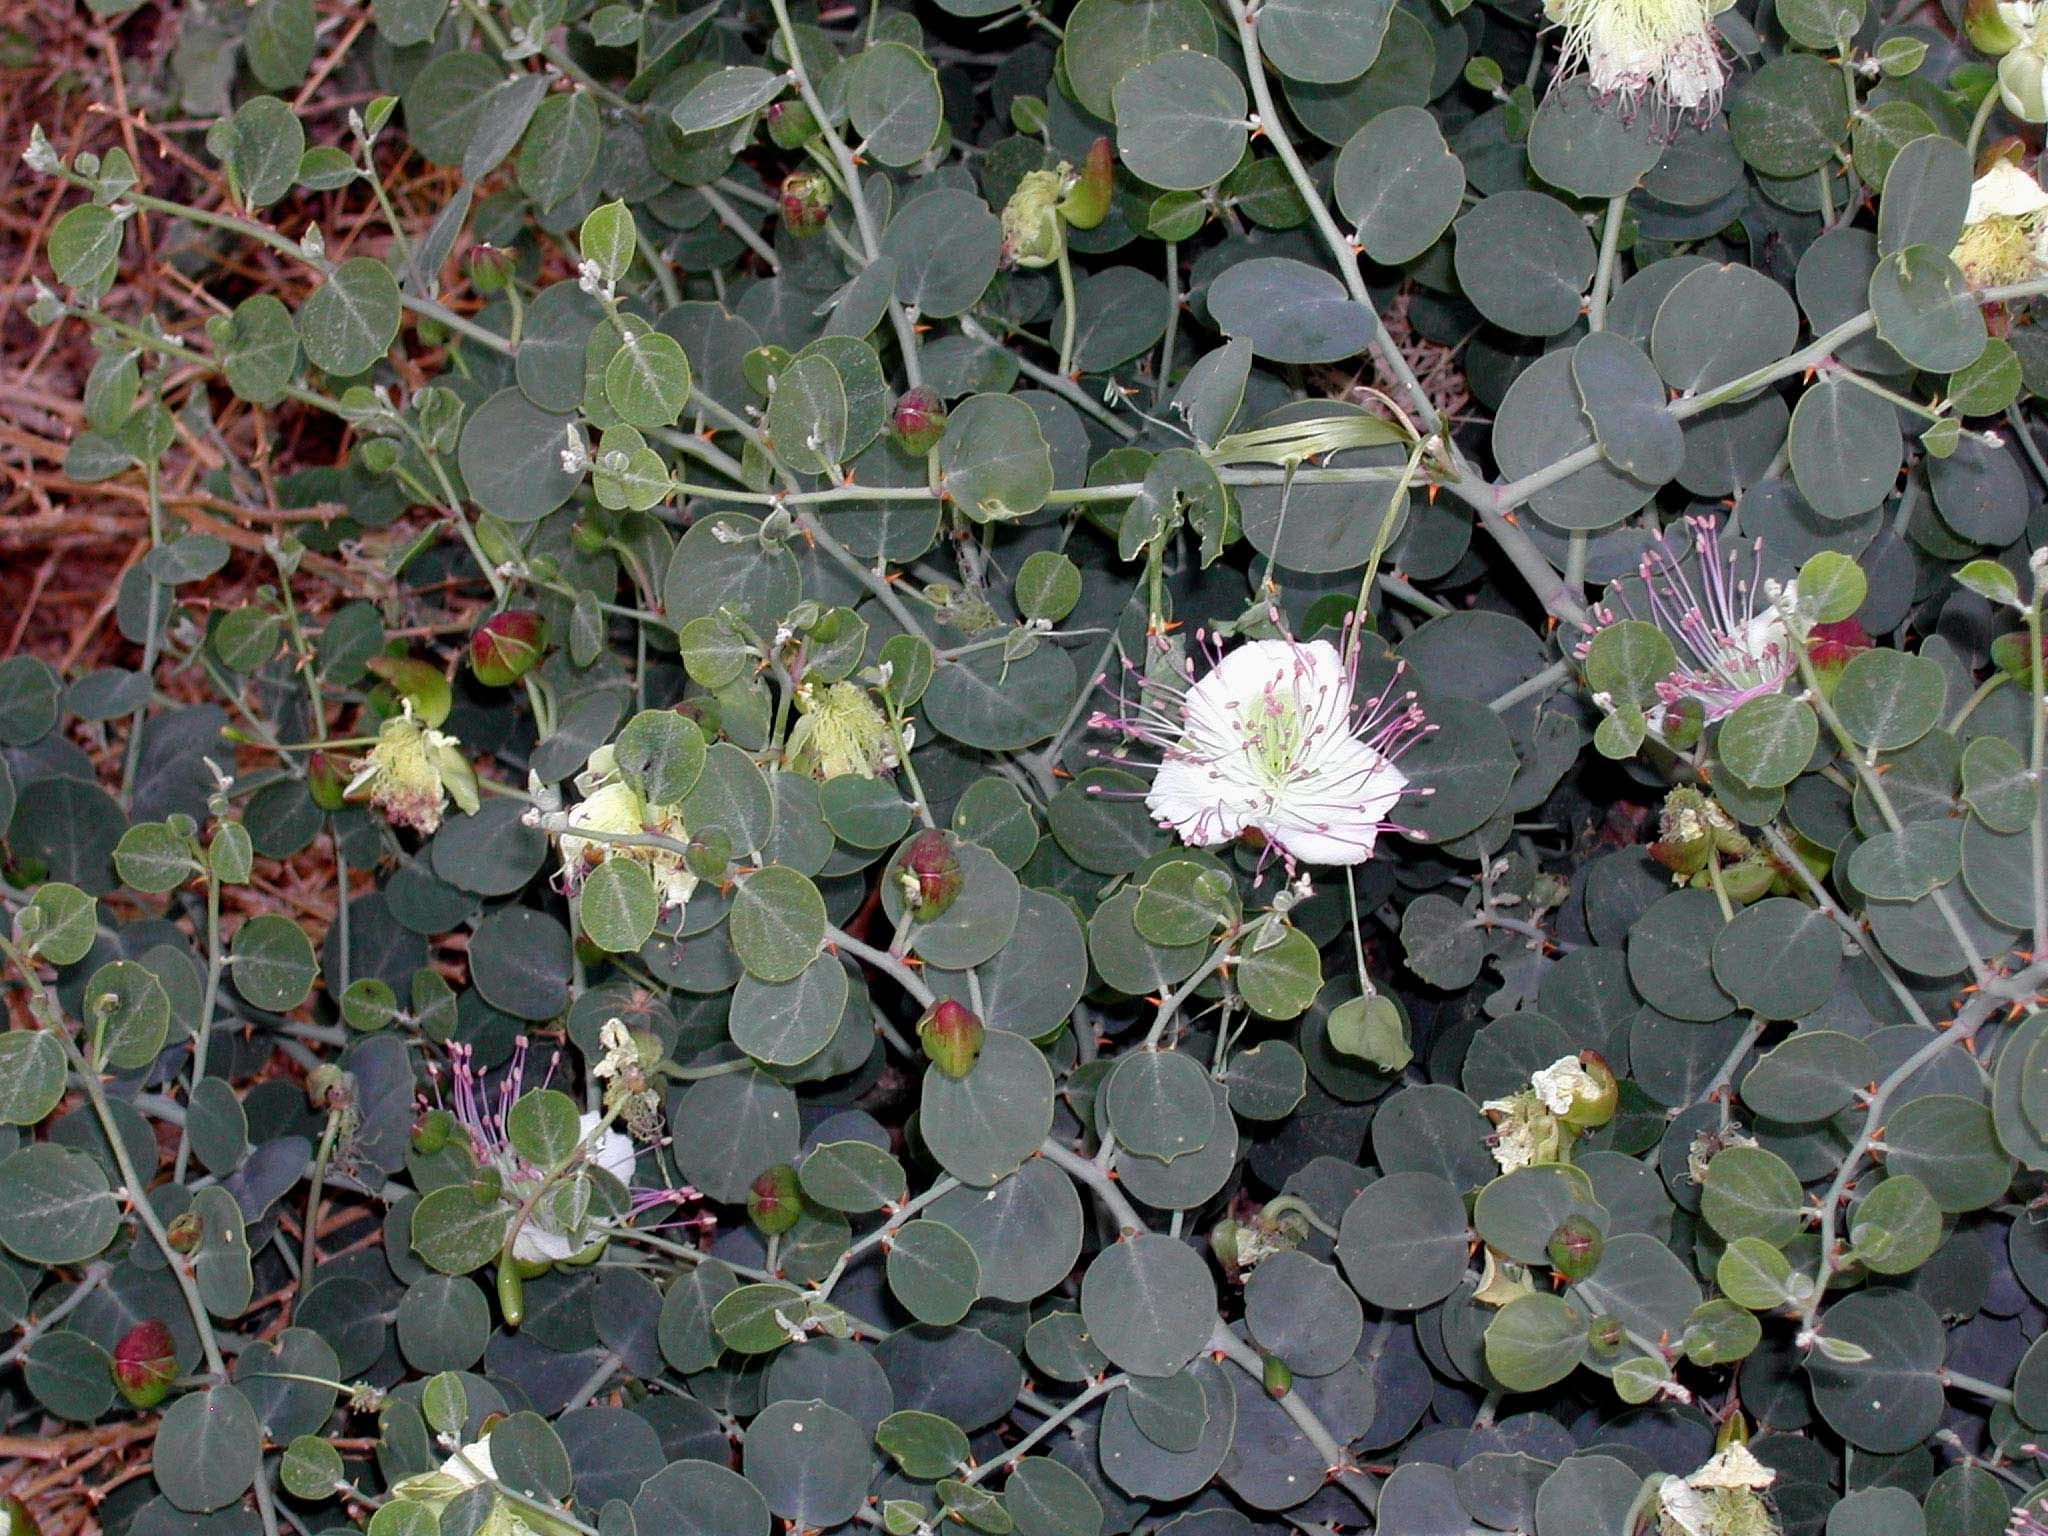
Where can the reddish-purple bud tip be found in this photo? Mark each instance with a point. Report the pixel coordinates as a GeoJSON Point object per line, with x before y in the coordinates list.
{"type": "Point", "coordinates": [951, 1037]}
{"type": "Point", "coordinates": [145, 1363]}
{"type": "Point", "coordinates": [505, 647]}
{"type": "Point", "coordinates": [919, 419]}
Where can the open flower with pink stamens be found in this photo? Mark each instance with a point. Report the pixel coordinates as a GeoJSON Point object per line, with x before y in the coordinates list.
{"type": "Point", "coordinates": [1274, 745]}
{"type": "Point", "coordinates": [1729, 628]}
{"type": "Point", "coordinates": [481, 1112]}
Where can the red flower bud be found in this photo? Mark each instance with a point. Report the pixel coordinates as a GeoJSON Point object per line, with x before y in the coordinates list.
{"type": "Point", "coordinates": [806, 202]}
{"type": "Point", "coordinates": [773, 1201]}
{"type": "Point", "coordinates": [951, 1037]}
{"type": "Point", "coordinates": [919, 419]}
{"type": "Point", "coordinates": [505, 646]}
{"type": "Point", "coordinates": [930, 874]}
{"type": "Point", "coordinates": [145, 1363]}
{"type": "Point", "coordinates": [1832, 645]}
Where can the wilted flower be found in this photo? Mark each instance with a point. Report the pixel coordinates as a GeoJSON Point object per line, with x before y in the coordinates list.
{"type": "Point", "coordinates": [2004, 238]}
{"type": "Point", "coordinates": [1274, 743]}
{"type": "Point", "coordinates": [412, 772]}
{"type": "Point", "coordinates": [1731, 649]}
{"type": "Point", "coordinates": [611, 805]}
{"type": "Point", "coordinates": [1524, 1131]}
{"type": "Point", "coordinates": [1579, 1090]}
{"type": "Point", "coordinates": [1723, 1498]}
{"type": "Point", "coordinates": [1663, 53]}
{"type": "Point", "coordinates": [841, 730]}
{"type": "Point", "coordinates": [629, 1092]}
{"type": "Point", "coordinates": [1031, 221]}
{"type": "Point", "coordinates": [545, 1234]}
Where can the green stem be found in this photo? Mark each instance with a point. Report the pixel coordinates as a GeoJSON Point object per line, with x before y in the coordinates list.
{"type": "Point", "coordinates": [203, 1028]}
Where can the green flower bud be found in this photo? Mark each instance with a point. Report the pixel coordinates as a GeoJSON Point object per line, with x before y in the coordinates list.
{"type": "Point", "coordinates": [325, 784]}
{"type": "Point", "coordinates": [1988, 30]}
{"type": "Point", "coordinates": [1278, 1378]}
{"type": "Point", "coordinates": [791, 124]}
{"type": "Point", "coordinates": [419, 683]}
{"type": "Point", "coordinates": [432, 1132]}
{"type": "Point", "coordinates": [773, 1203]}
{"type": "Point", "coordinates": [1223, 1242]}
{"type": "Point", "coordinates": [1575, 1248]}
{"type": "Point", "coordinates": [145, 1363]}
{"type": "Point", "coordinates": [184, 1232]}
{"type": "Point", "coordinates": [489, 268]}
{"type": "Point", "coordinates": [1606, 1335]}
{"type": "Point", "coordinates": [1087, 201]}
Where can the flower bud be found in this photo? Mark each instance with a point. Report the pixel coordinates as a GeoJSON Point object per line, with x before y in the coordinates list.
{"type": "Point", "coordinates": [184, 1232]}
{"type": "Point", "coordinates": [1223, 1242]}
{"type": "Point", "coordinates": [951, 1037]}
{"type": "Point", "coordinates": [325, 783]}
{"type": "Point", "coordinates": [328, 1087]}
{"type": "Point", "coordinates": [417, 682]}
{"type": "Point", "coordinates": [1831, 647]}
{"type": "Point", "coordinates": [1606, 1334]}
{"type": "Point", "coordinates": [1590, 1113]}
{"type": "Point", "coordinates": [505, 646]}
{"type": "Point", "coordinates": [1278, 1378]}
{"type": "Point", "coordinates": [145, 1363]}
{"type": "Point", "coordinates": [930, 874]}
{"type": "Point", "coordinates": [432, 1132]}
{"type": "Point", "coordinates": [489, 268]}
{"type": "Point", "coordinates": [806, 202]}
{"type": "Point", "coordinates": [1750, 880]}
{"type": "Point", "coordinates": [1087, 201]}
{"type": "Point", "coordinates": [773, 1202]}
{"type": "Point", "coordinates": [2009, 654]}
{"type": "Point", "coordinates": [1575, 1248]}
{"type": "Point", "coordinates": [919, 419]}
{"type": "Point", "coordinates": [791, 124]}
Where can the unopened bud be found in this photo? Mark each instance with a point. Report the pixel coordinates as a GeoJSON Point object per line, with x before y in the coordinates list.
{"type": "Point", "coordinates": [773, 1203]}
{"type": "Point", "coordinates": [184, 1232]}
{"type": "Point", "coordinates": [791, 124]}
{"type": "Point", "coordinates": [432, 1132]}
{"type": "Point", "coordinates": [325, 784]}
{"type": "Point", "coordinates": [419, 683]}
{"type": "Point", "coordinates": [1606, 1334]}
{"type": "Point", "coordinates": [919, 419]}
{"type": "Point", "coordinates": [930, 874]}
{"type": "Point", "coordinates": [145, 1363]}
{"type": "Point", "coordinates": [489, 268]}
{"type": "Point", "coordinates": [1087, 201]}
{"type": "Point", "coordinates": [806, 203]}
{"type": "Point", "coordinates": [505, 646]}
{"type": "Point", "coordinates": [1575, 1248]}
{"type": "Point", "coordinates": [1278, 1377]}
{"type": "Point", "coordinates": [951, 1037]}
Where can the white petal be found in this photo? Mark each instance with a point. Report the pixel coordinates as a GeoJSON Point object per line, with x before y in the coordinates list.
{"type": "Point", "coordinates": [2005, 190]}
{"type": "Point", "coordinates": [613, 1151]}
{"type": "Point", "coordinates": [536, 1245]}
